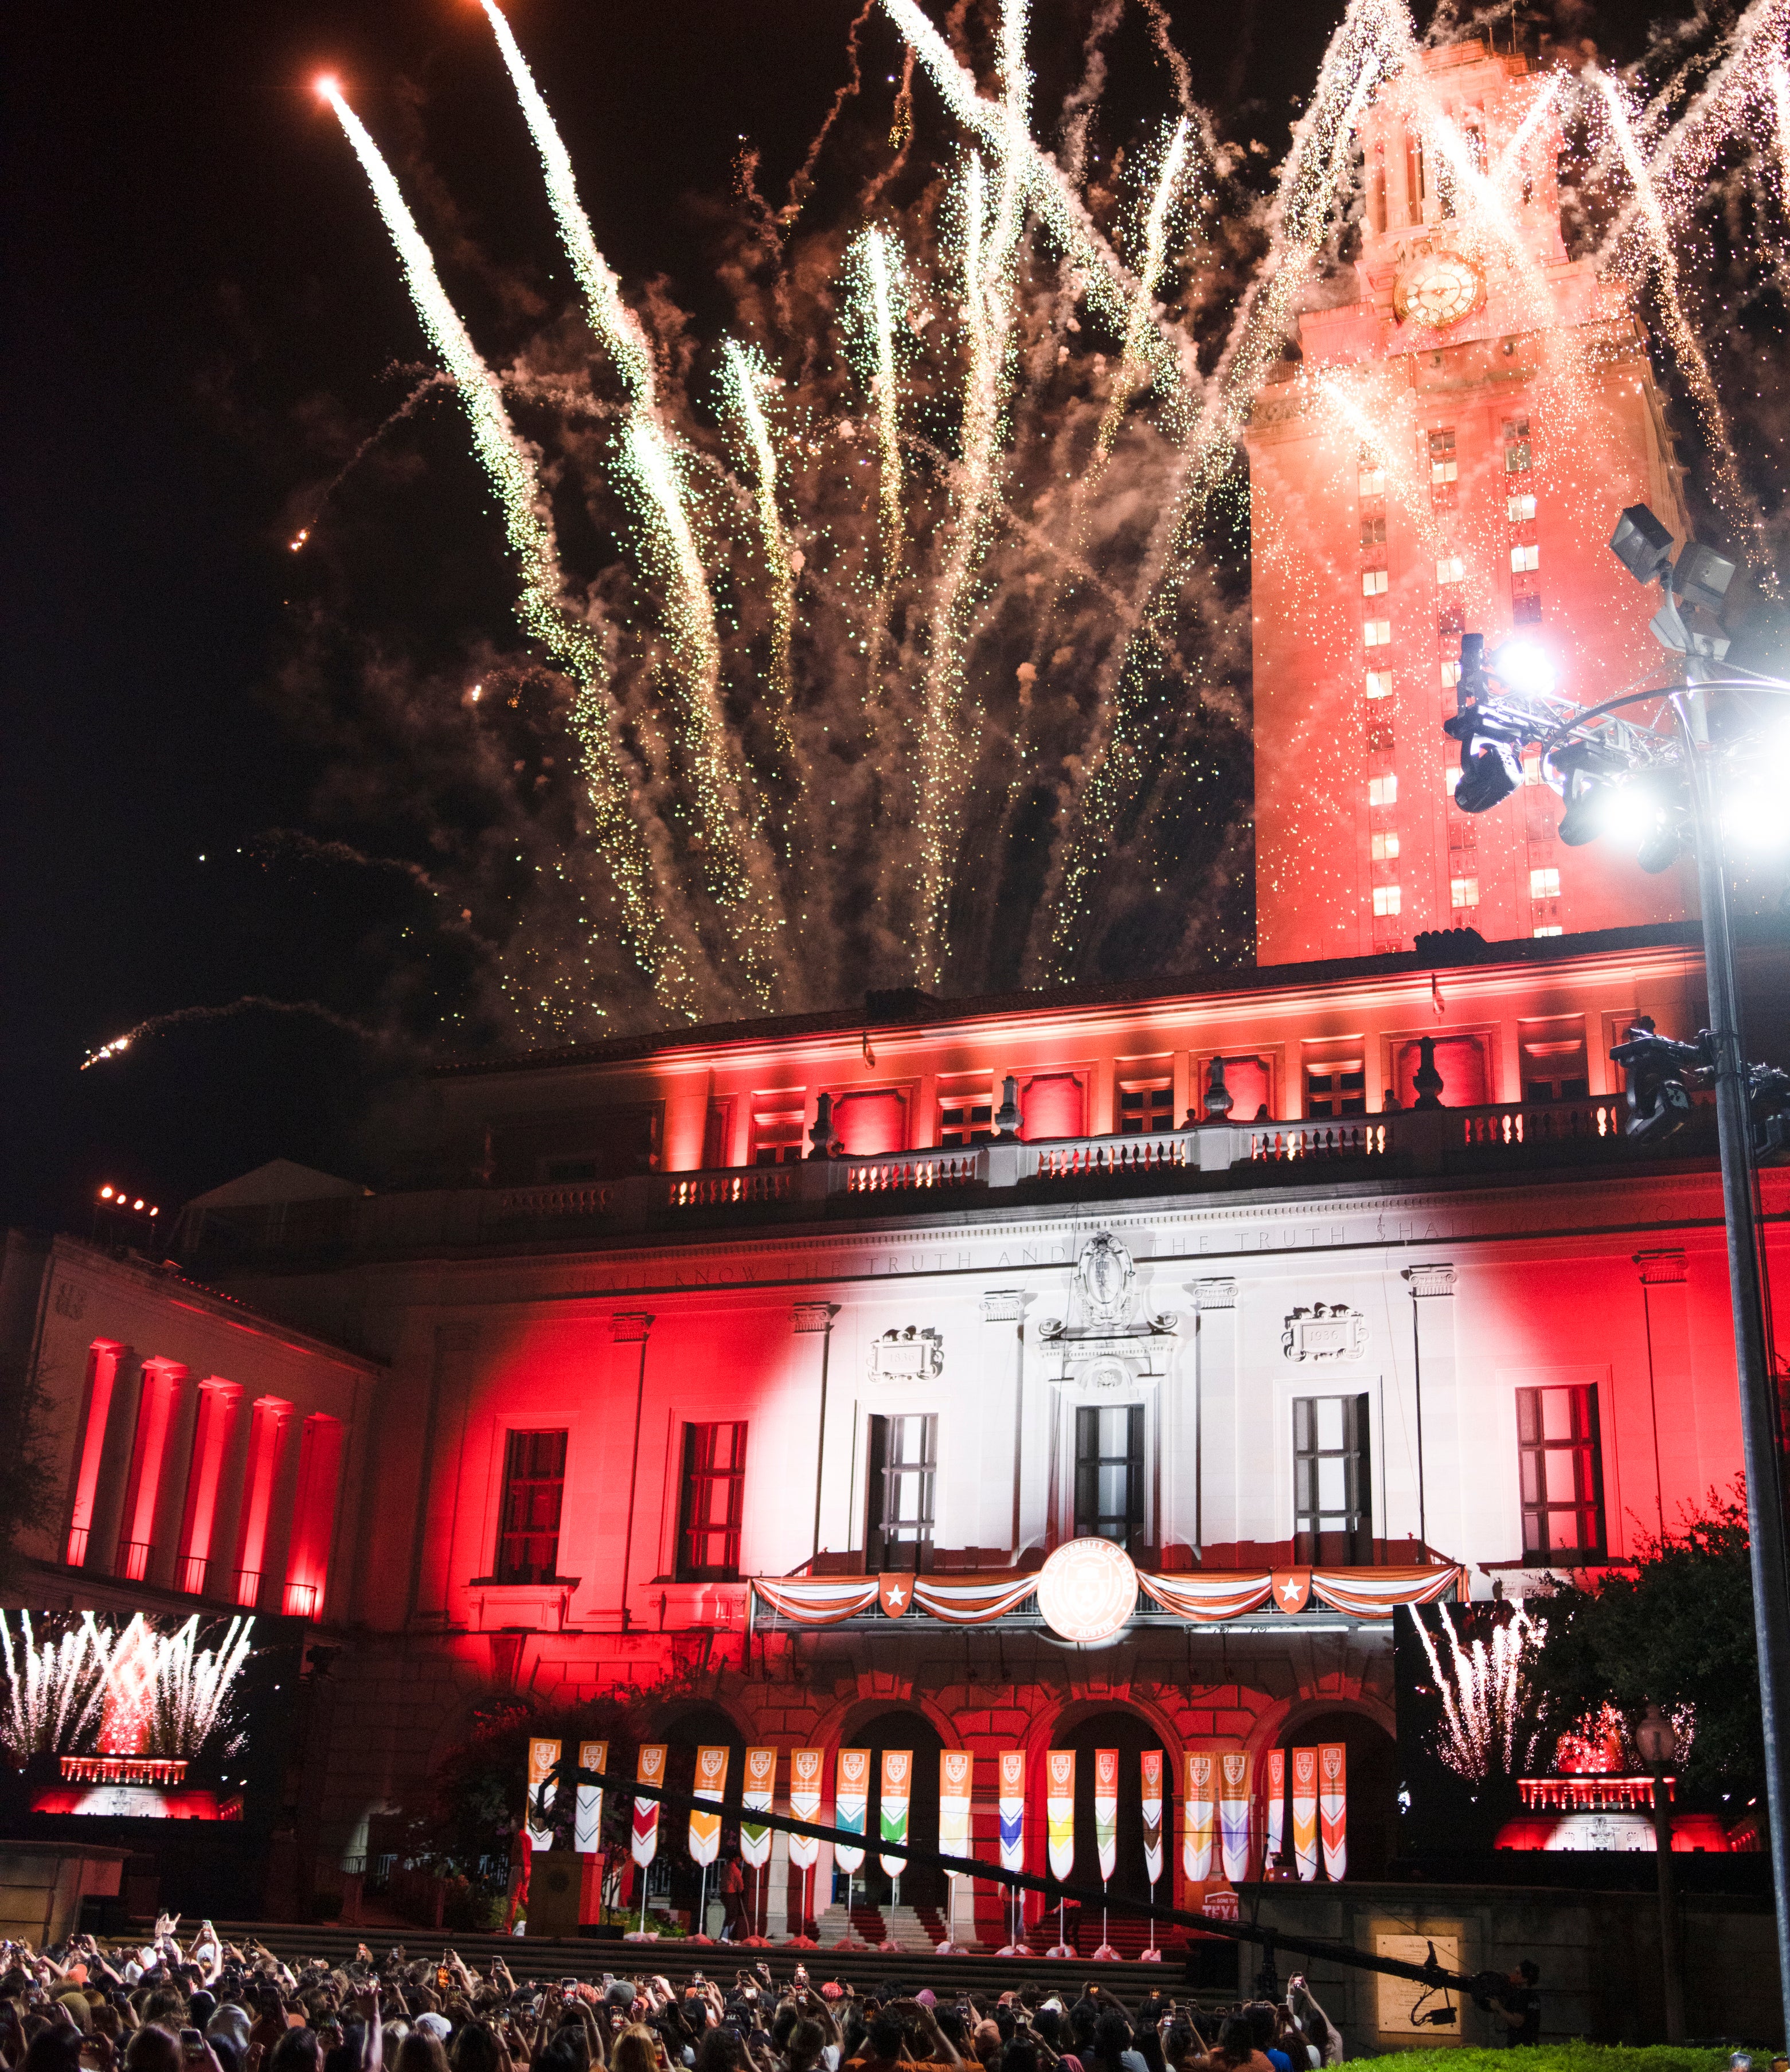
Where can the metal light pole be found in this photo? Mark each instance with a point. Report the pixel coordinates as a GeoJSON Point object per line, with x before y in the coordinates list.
{"type": "Point", "coordinates": [1659, 1747]}
{"type": "Point", "coordinates": [1760, 1431]}
{"type": "Point", "coordinates": [1698, 583]}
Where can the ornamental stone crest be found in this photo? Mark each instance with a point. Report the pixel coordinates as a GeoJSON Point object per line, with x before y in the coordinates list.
{"type": "Point", "coordinates": [916, 1353]}
{"type": "Point", "coordinates": [1103, 1345]}
{"type": "Point", "coordinates": [1325, 1331]}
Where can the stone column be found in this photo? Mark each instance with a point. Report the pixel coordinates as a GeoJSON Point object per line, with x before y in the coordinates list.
{"type": "Point", "coordinates": [816, 1319]}
{"type": "Point", "coordinates": [1436, 1405]}
{"type": "Point", "coordinates": [1216, 1470]}
{"type": "Point", "coordinates": [1004, 1376]}
{"type": "Point", "coordinates": [1676, 1466]}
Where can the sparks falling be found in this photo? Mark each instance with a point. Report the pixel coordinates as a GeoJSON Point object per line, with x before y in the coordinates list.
{"type": "Point", "coordinates": [916, 642]}
{"type": "Point", "coordinates": [1491, 1721]}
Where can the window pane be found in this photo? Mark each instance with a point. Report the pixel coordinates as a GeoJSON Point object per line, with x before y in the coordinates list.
{"type": "Point", "coordinates": [1331, 1485]}
{"type": "Point", "coordinates": [1557, 1413]}
{"type": "Point", "coordinates": [1329, 1421]}
{"type": "Point", "coordinates": [1563, 1475]}
{"type": "Point", "coordinates": [1114, 1486]}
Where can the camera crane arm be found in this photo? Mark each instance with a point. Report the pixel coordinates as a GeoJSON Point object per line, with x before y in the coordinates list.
{"type": "Point", "coordinates": [1432, 1974]}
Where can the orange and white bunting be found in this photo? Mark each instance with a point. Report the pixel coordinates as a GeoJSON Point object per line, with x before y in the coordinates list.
{"type": "Point", "coordinates": [1305, 1812]}
{"type": "Point", "coordinates": [1199, 1815]}
{"type": "Point", "coordinates": [1333, 1807]}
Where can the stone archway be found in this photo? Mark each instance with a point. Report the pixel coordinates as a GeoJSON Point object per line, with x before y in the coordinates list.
{"type": "Point", "coordinates": [1122, 1728]}
{"type": "Point", "coordinates": [1373, 1782]}
{"type": "Point", "coordinates": [901, 1727]}
{"type": "Point", "coordinates": [684, 1730]}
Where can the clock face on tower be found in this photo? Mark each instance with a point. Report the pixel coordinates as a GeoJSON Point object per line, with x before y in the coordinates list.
{"type": "Point", "coordinates": [1437, 289]}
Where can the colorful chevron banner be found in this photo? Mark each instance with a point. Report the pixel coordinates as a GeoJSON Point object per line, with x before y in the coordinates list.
{"type": "Point", "coordinates": [710, 1786]}
{"type": "Point", "coordinates": [1152, 1804]}
{"type": "Point", "coordinates": [1106, 1809]}
{"type": "Point", "coordinates": [892, 1804]}
{"type": "Point", "coordinates": [851, 1805]}
{"type": "Point", "coordinates": [758, 1789]}
{"type": "Point", "coordinates": [807, 1767]}
{"type": "Point", "coordinates": [1305, 1812]}
{"type": "Point", "coordinates": [587, 1808]}
{"type": "Point", "coordinates": [1199, 1810]}
{"type": "Point", "coordinates": [1333, 1807]}
{"type": "Point", "coordinates": [1013, 1809]}
{"type": "Point", "coordinates": [956, 1768]}
{"type": "Point", "coordinates": [1060, 1810]}
{"type": "Point", "coordinates": [644, 1843]}
{"type": "Point", "coordinates": [543, 1790]}
{"type": "Point", "coordinates": [1275, 1825]}
{"type": "Point", "coordinates": [1233, 1813]}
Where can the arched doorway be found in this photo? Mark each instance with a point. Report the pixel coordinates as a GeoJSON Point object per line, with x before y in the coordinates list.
{"type": "Point", "coordinates": [1131, 1735]}
{"type": "Point", "coordinates": [922, 1885]}
{"type": "Point", "coordinates": [1371, 1788]}
{"type": "Point", "coordinates": [672, 1875]}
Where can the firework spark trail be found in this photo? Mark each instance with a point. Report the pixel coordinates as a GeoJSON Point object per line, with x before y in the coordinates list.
{"type": "Point", "coordinates": [1779, 79]}
{"type": "Point", "coordinates": [1108, 283]}
{"type": "Point", "coordinates": [1490, 1726]}
{"type": "Point", "coordinates": [1079, 108]}
{"type": "Point", "coordinates": [572, 643]}
{"type": "Point", "coordinates": [190, 1694]}
{"type": "Point", "coordinates": [1373, 41]}
{"type": "Point", "coordinates": [54, 1689]}
{"type": "Point", "coordinates": [743, 374]}
{"type": "Point", "coordinates": [888, 401]}
{"type": "Point", "coordinates": [946, 741]}
{"type": "Point", "coordinates": [1686, 346]}
{"type": "Point", "coordinates": [427, 387]}
{"type": "Point", "coordinates": [1688, 148]}
{"type": "Point", "coordinates": [1134, 369]}
{"type": "Point", "coordinates": [801, 182]}
{"type": "Point", "coordinates": [733, 851]}
{"type": "Point", "coordinates": [251, 1003]}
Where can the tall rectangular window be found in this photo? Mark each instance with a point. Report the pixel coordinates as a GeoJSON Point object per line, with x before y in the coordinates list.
{"type": "Point", "coordinates": [1332, 1490]}
{"type": "Point", "coordinates": [1109, 1473]}
{"type": "Point", "coordinates": [1516, 446]}
{"type": "Point", "coordinates": [1562, 1474]}
{"type": "Point", "coordinates": [1444, 468]}
{"type": "Point", "coordinates": [534, 1490]}
{"type": "Point", "coordinates": [901, 1478]}
{"type": "Point", "coordinates": [714, 1502]}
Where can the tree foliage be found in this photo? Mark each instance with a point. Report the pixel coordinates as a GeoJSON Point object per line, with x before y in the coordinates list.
{"type": "Point", "coordinates": [1677, 1631]}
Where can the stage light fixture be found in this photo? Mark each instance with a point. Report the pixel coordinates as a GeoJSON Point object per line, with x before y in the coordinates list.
{"type": "Point", "coordinates": [1662, 848]}
{"type": "Point", "coordinates": [1525, 667]}
{"type": "Point", "coordinates": [1641, 544]}
{"type": "Point", "coordinates": [1587, 814]}
{"type": "Point", "coordinates": [1702, 576]}
{"type": "Point", "coordinates": [1486, 777]}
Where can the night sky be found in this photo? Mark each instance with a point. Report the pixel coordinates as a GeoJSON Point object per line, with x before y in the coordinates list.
{"type": "Point", "coordinates": [204, 321]}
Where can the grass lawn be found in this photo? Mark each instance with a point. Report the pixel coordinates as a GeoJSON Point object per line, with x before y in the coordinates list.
{"type": "Point", "coordinates": [1559, 2058]}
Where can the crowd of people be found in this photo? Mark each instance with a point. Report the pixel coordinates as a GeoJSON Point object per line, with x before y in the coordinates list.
{"type": "Point", "coordinates": [215, 2006]}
